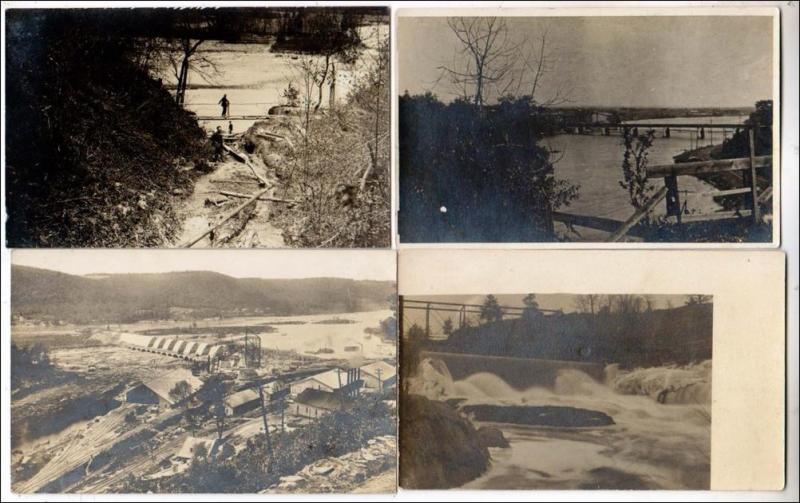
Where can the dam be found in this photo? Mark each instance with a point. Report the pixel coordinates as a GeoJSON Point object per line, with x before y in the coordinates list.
{"type": "Point", "coordinates": [521, 373]}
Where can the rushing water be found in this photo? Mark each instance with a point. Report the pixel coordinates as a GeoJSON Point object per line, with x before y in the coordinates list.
{"type": "Point", "coordinates": [650, 445]}
{"type": "Point", "coordinates": [594, 162]}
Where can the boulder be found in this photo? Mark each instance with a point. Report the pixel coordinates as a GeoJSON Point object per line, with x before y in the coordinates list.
{"type": "Point", "coordinates": [284, 110]}
{"type": "Point", "coordinates": [489, 436]}
{"type": "Point", "coordinates": [441, 448]}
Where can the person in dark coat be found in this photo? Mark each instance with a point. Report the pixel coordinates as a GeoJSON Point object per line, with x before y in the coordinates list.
{"type": "Point", "coordinates": [224, 103]}
{"type": "Point", "coordinates": [216, 142]}
{"type": "Point", "coordinates": [230, 127]}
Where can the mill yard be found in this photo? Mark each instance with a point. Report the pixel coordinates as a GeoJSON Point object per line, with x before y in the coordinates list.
{"type": "Point", "coordinates": [128, 408]}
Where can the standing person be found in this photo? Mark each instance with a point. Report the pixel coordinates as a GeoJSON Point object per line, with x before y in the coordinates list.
{"type": "Point", "coordinates": [216, 142]}
{"type": "Point", "coordinates": [224, 103]}
{"type": "Point", "coordinates": [230, 127]}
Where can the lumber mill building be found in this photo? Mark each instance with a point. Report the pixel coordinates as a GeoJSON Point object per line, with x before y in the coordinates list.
{"type": "Point", "coordinates": [156, 391]}
{"type": "Point", "coordinates": [338, 380]}
{"type": "Point", "coordinates": [314, 403]}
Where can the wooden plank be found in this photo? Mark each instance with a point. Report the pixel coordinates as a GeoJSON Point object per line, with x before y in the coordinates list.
{"type": "Point", "coordinates": [599, 223]}
{"type": "Point", "coordinates": [704, 167]}
{"type": "Point", "coordinates": [639, 214]}
{"type": "Point", "coordinates": [227, 217]}
{"type": "Point", "coordinates": [765, 196]}
{"type": "Point", "coordinates": [244, 196]}
{"type": "Point", "coordinates": [653, 125]}
{"type": "Point", "coordinates": [722, 215]}
{"type": "Point", "coordinates": [753, 177]}
{"type": "Point", "coordinates": [231, 117]}
{"type": "Point", "coordinates": [729, 192]}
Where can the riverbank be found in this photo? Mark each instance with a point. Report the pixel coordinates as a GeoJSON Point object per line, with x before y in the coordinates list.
{"type": "Point", "coordinates": [92, 161]}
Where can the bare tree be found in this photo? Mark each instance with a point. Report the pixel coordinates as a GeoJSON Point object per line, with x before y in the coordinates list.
{"type": "Point", "coordinates": [539, 61]}
{"type": "Point", "coordinates": [372, 93]}
{"type": "Point", "coordinates": [307, 71]}
{"type": "Point", "coordinates": [627, 304]}
{"type": "Point", "coordinates": [489, 56]}
{"type": "Point", "coordinates": [588, 303]}
{"type": "Point", "coordinates": [491, 60]}
{"type": "Point", "coordinates": [335, 36]}
{"type": "Point", "coordinates": [186, 59]}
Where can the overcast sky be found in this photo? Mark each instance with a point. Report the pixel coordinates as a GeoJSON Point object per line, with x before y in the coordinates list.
{"type": "Point", "coordinates": [354, 264]}
{"type": "Point", "coordinates": [675, 61]}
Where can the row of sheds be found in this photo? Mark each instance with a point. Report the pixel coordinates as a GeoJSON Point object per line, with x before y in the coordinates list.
{"type": "Point", "coordinates": [171, 346]}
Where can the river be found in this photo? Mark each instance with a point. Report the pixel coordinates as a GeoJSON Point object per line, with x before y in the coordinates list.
{"type": "Point", "coordinates": [254, 78]}
{"type": "Point", "coordinates": [650, 445]}
{"type": "Point", "coordinates": [594, 162]}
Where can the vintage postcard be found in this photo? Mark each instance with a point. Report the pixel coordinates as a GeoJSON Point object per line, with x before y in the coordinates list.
{"type": "Point", "coordinates": [558, 391]}
{"type": "Point", "coordinates": [213, 127]}
{"type": "Point", "coordinates": [635, 125]}
{"type": "Point", "coordinates": [588, 370]}
{"type": "Point", "coordinates": [176, 372]}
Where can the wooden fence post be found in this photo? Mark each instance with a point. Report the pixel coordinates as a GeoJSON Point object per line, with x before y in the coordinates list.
{"type": "Point", "coordinates": [753, 176]}
{"type": "Point", "coordinates": [673, 197]}
{"type": "Point", "coordinates": [428, 321]}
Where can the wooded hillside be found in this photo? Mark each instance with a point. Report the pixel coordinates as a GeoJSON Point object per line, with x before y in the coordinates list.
{"type": "Point", "coordinates": [48, 295]}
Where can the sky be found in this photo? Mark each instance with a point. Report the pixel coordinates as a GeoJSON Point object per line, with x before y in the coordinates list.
{"type": "Point", "coordinates": [354, 264]}
{"type": "Point", "coordinates": [658, 61]}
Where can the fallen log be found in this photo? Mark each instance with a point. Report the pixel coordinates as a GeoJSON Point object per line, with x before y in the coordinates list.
{"type": "Point", "coordinates": [246, 160]}
{"type": "Point", "coordinates": [267, 198]}
{"type": "Point", "coordinates": [242, 182]}
{"type": "Point", "coordinates": [233, 228]}
{"type": "Point", "coordinates": [277, 136]}
{"type": "Point", "coordinates": [233, 213]}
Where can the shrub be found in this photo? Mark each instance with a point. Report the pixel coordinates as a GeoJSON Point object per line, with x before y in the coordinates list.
{"type": "Point", "coordinates": [470, 173]}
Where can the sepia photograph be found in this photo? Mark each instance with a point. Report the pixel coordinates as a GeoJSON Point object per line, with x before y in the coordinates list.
{"type": "Point", "coordinates": [556, 391]}
{"type": "Point", "coordinates": [170, 372]}
{"type": "Point", "coordinates": [198, 127]}
{"type": "Point", "coordinates": [563, 128]}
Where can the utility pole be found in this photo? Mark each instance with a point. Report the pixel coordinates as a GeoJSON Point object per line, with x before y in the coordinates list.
{"type": "Point", "coordinates": [380, 382]}
{"type": "Point", "coordinates": [282, 405]}
{"type": "Point", "coordinates": [428, 321]}
{"type": "Point", "coordinates": [266, 427]}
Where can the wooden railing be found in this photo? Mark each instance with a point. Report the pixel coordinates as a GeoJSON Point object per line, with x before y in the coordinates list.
{"type": "Point", "coordinates": [749, 166]}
